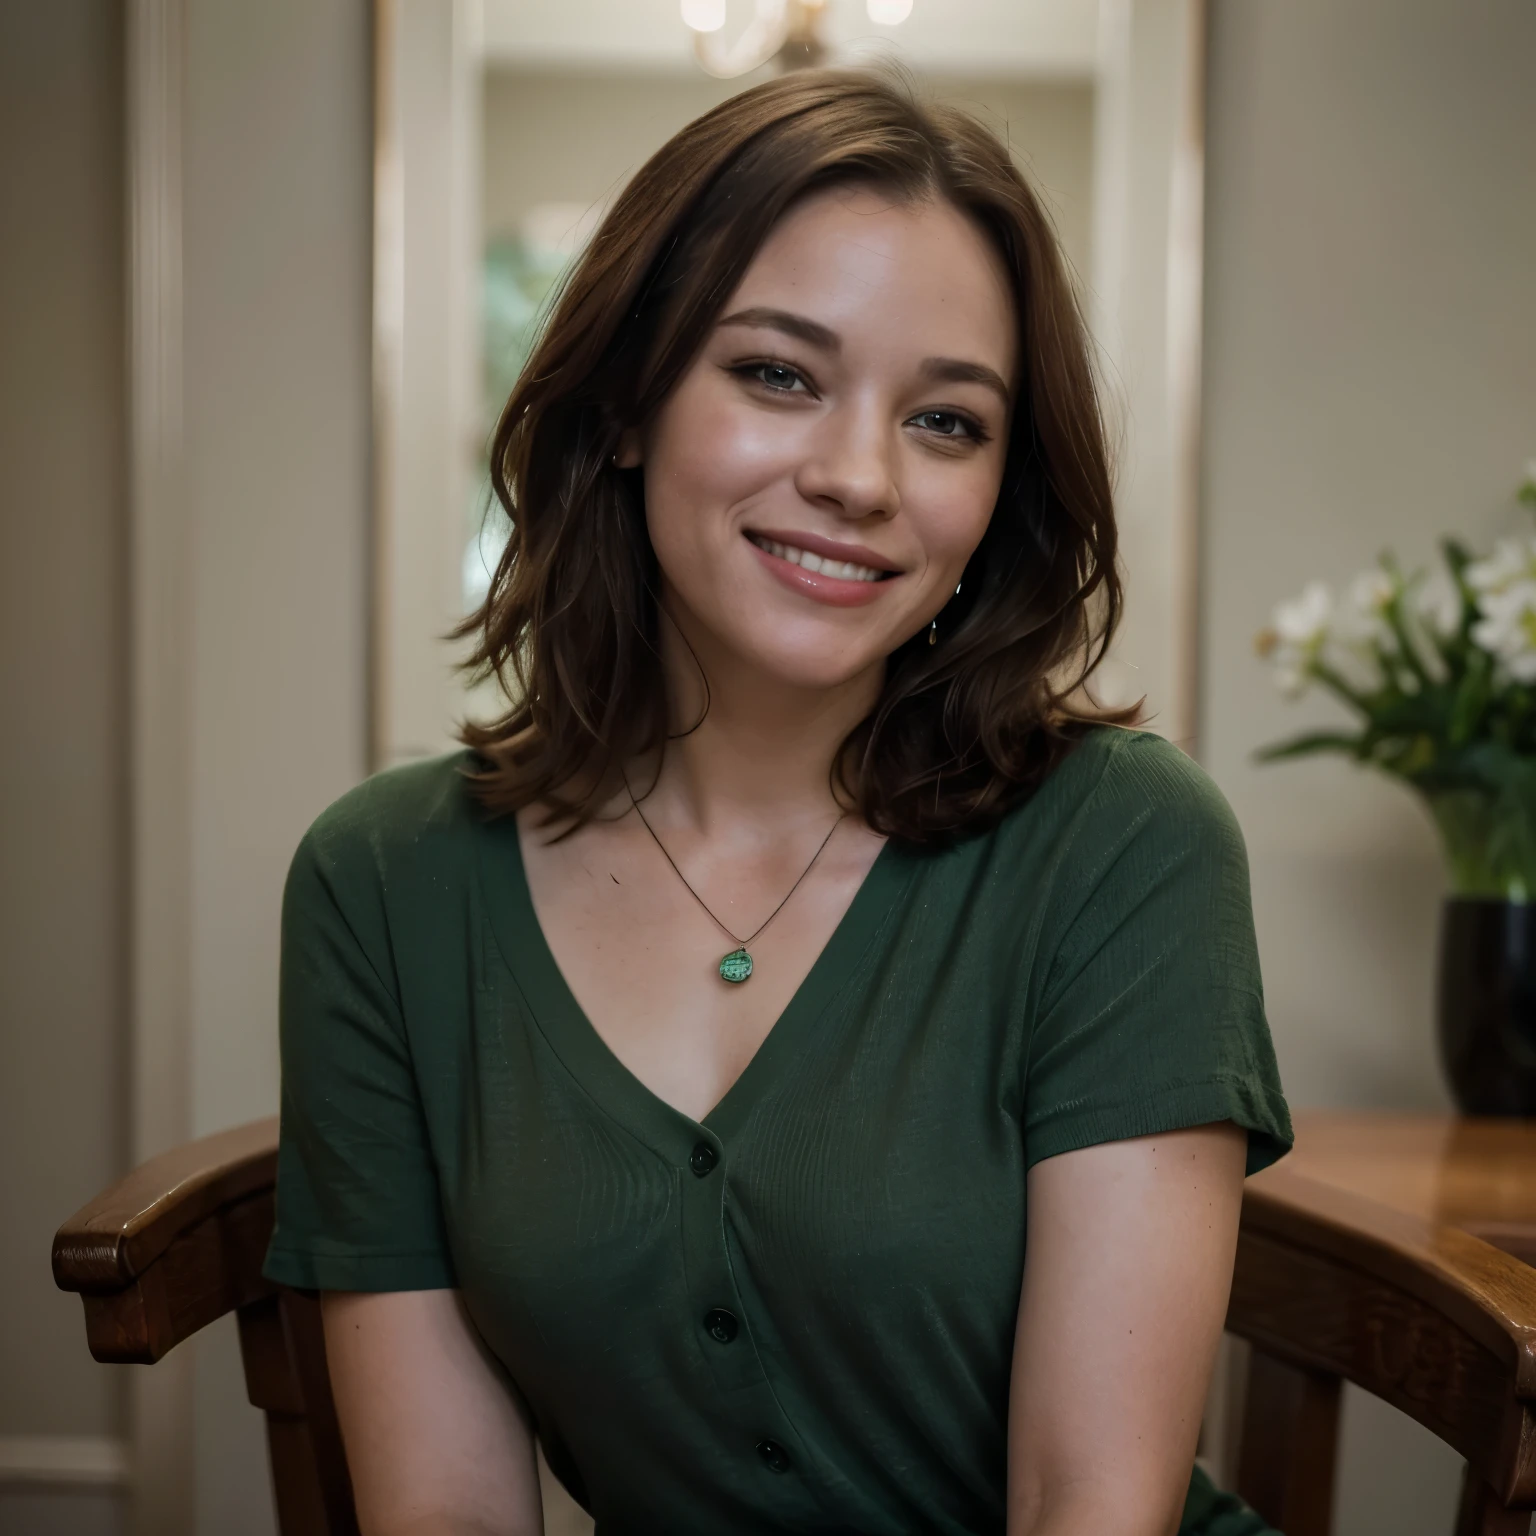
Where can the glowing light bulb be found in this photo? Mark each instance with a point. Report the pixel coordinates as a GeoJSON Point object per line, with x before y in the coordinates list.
{"type": "Point", "coordinates": [888, 13]}
{"type": "Point", "coordinates": [709, 15]}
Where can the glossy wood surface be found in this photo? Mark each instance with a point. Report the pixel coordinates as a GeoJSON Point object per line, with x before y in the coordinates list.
{"type": "Point", "coordinates": [110, 1242]}
{"type": "Point", "coordinates": [1427, 1317]}
{"type": "Point", "coordinates": [178, 1243]}
{"type": "Point", "coordinates": [1373, 1254]}
{"type": "Point", "coordinates": [1477, 1175]}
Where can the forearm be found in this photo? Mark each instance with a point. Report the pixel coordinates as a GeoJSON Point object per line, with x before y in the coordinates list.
{"type": "Point", "coordinates": [449, 1525]}
{"type": "Point", "coordinates": [1092, 1511]}
{"type": "Point", "coordinates": [438, 1441]}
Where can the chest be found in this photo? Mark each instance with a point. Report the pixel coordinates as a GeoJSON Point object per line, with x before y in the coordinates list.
{"type": "Point", "coordinates": [871, 1145]}
{"type": "Point", "coordinates": [866, 1177]}
{"type": "Point", "coordinates": [855, 1201]}
{"type": "Point", "coordinates": [640, 944]}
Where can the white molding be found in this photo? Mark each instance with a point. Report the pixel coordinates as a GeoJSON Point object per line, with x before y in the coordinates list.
{"type": "Point", "coordinates": [63, 1461]}
{"type": "Point", "coordinates": [160, 588]}
{"type": "Point", "coordinates": [426, 364]}
{"type": "Point", "coordinates": [388, 345]}
{"type": "Point", "coordinates": [160, 584]}
{"type": "Point", "coordinates": [1146, 311]}
{"type": "Point", "coordinates": [1185, 339]}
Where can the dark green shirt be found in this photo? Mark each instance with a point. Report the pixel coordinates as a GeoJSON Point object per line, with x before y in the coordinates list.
{"type": "Point", "coordinates": [796, 1315]}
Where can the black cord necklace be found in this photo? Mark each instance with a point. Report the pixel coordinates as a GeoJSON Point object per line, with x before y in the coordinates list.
{"type": "Point", "coordinates": [737, 965]}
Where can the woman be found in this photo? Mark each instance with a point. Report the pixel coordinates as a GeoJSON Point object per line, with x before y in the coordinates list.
{"type": "Point", "coordinates": [682, 1074]}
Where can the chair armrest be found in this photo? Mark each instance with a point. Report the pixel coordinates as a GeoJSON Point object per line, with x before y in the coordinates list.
{"type": "Point", "coordinates": [1430, 1318]}
{"type": "Point", "coordinates": [172, 1246]}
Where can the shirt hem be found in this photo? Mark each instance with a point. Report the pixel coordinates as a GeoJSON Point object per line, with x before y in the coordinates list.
{"type": "Point", "coordinates": [359, 1272]}
{"type": "Point", "coordinates": [1258, 1110]}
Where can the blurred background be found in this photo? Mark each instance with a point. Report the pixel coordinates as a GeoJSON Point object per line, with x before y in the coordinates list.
{"type": "Point", "coordinates": [266, 274]}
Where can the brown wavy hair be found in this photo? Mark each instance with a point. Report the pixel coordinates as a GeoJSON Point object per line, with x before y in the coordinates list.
{"type": "Point", "coordinates": [962, 730]}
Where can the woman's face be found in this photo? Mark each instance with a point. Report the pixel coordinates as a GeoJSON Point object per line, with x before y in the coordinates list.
{"type": "Point", "coordinates": [819, 477]}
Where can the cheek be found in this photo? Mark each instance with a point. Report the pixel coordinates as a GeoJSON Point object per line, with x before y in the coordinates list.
{"type": "Point", "coordinates": [949, 509]}
{"type": "Point", "coordinates": [708, 450]}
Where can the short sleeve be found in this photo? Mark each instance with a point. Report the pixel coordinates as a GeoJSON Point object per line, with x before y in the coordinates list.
{"type": "Point", "coordinates": [1151, 1017]}
{"type": "Point", "coordinates": [358, 1207]}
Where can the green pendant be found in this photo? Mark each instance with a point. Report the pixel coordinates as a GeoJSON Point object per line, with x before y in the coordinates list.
{"type": "Point", "coordinates": [736, 966]}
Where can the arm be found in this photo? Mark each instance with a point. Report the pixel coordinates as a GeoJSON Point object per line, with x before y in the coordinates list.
{"type": "Point", "coordinates": [437, 1442]}
{"type": "Point", "coordinates": [1126, 1278]}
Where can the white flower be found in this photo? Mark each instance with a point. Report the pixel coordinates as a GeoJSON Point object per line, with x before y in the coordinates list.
{"type": "Point", "coordinates": [1505, 584]}
{"type": "Point", "coordinates": [1438, 605]}
{"type": "Point", "coordinates": [1507, 627]}
{"type": "Point", "coordinates": [1512, 561]}
{"type": "Point", "coordinates": [1362, 621]}
{"type": "Point", "coordinates": [1304, 621]}
{"type": "Point", "coordinates": [1299, 633]}
{"type": "Point", "coordinates": [1371, 591]}
{"type": "Point", "coordinates": [1289, 678]}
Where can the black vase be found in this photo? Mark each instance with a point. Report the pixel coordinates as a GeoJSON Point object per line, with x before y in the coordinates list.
{"type": "Point", "coordinates": [1488, 1004]}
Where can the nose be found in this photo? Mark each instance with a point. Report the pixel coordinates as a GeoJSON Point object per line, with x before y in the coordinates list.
{"type": "Point", "coordinates": [851, 467]}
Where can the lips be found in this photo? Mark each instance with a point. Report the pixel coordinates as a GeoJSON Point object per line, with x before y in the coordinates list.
{"type": "Point", "coordinates": [818, 565]}
{"type": "Point", "coordinates": [823, 570]}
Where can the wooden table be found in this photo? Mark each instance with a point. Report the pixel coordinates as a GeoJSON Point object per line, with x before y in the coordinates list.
{"type": "Point", "coordinates": [1478, 1175]}
{"type": "Point", "coordinates": [1397, 1252]}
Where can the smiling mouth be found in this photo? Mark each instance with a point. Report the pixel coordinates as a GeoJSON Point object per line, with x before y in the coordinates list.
{"type": "Point", "coordinates": [820, 565]}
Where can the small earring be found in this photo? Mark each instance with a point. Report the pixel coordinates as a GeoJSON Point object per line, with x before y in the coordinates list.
{"type": "Point", "coordinates": [933, 627]}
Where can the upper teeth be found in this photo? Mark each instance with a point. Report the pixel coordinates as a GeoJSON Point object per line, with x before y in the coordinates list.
{"type": "Point", "coordinates": [844, 570]}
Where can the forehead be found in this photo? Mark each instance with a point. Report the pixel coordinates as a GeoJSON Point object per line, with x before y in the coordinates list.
{"type": "Point", "coordinates": [897, 276]}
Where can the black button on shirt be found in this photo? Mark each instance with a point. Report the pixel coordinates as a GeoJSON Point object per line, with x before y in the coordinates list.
{"type": "Point", "coordinates": [775, 1457]}
{"type": "Point", "coordinates": [703, 1159]}
{"type": "Point", "coordinates": [720, 1325]}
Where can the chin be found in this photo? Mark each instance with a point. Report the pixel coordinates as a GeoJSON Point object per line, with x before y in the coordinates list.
{"type": "Point", "coordinates": [817, 664]}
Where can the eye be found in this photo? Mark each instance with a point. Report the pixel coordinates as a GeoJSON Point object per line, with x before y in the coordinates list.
{"type": "Point", "coordinates": [778, 377]}
{"type": "Point", "coordinates": [948, 424]}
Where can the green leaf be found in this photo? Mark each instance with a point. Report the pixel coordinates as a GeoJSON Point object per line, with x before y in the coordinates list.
{"type": "Point", "coordinates": [1408, 650]}
{"type": "Point", "coordinates": [1470, 701]}
{"type": "Point", "coordinates": [1313, 741]}
{"type": "Point", "coordinates": [1457, 558]}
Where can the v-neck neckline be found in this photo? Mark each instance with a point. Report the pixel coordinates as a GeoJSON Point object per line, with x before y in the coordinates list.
{"type": "Point", "coordinates": [592, 1061]}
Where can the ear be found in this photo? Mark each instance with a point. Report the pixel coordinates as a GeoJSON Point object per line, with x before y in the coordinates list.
{"type": "Point", "coordinates": [628, 455]}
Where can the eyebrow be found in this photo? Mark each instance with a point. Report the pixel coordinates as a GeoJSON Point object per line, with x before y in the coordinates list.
{"type": "Point", "coordinates": [942, 370]}
{"type": "Point", "coordinates": [955, 370]}
{"type": "Point", "coordinates": [790, 324]}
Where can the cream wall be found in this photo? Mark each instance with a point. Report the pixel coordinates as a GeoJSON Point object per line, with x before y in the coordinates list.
{"type": "Point", "coordinates": [272, 533]}
{"type": "Point", "coordinates": [278, 253]}
{"type": "Point", "coordinates": [563, 138]}
{"type": "Point", "coordinates": [62, 786]}
{"type": "Point", "coordinates": [1370, 380]}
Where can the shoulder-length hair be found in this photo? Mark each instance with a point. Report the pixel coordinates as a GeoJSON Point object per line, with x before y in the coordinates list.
{"type": "Point", "coordinates": [962, 730]}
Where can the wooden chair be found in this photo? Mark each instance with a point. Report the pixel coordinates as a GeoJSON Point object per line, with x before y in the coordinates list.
{"type": "Point", "coordinates": [1332, 1287]}
{"type": "Point", "coordinates": [1329, 1288]}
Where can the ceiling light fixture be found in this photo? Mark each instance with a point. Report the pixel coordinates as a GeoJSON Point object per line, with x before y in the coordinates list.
{"type": "Point", "coordinates": [786, 33]}
{"type": "Point", "coordinates": [704, 15]}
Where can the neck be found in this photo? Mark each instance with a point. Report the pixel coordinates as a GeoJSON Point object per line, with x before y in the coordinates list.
{"type": "Point", "coordinates": [762, 754]}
